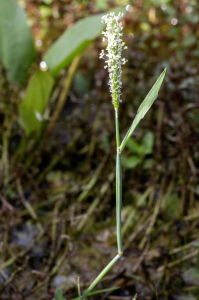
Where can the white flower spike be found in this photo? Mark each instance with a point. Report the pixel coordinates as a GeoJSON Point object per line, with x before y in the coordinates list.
{"type": "Point", "coordinates": [113, 56]}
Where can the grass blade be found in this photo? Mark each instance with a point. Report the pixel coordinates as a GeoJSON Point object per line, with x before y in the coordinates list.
{"type": "Point", "coordinates": [144, 107]}
{"type": "Point", "coordinates": [99, 292]}
{"type": "Point", "coordinates": [103, 291]}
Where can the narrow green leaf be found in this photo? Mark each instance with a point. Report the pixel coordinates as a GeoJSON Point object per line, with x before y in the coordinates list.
{"type": "Point", "coordinates": [99, 292]}
{"type": "Point", "coordinates": [73, 41]}
{"type": "Point", "coordinates": [16, 44]}
{"type": "Point", "coordinates": [144, 107]}
{"type": "Point", "coordinates": [35, 101]}
{"type": "Point", "coordinates": [104, 291]}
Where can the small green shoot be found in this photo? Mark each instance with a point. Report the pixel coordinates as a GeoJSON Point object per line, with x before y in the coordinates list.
{"type": "Point", "coordinates": [59, 295]}
{"type": "Point", "coordinates": [139, 152]}
{"type": "Point", "coordinates": [78, 287]}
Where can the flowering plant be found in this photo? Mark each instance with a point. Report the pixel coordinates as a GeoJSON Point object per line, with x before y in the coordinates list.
{"type": "Point", "coordinates": [114, 61]}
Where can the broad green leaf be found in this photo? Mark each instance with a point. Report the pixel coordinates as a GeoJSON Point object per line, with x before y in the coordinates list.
{"type": "Point", "coordinates": [73, 41]}
{"type": "Point", "coordinates": [16, 44]}
{"type": "Point", "coordinates": [144, 107]}
{"type": "Point", "coordinates": [131, 161]}
{"type": "Point", "coordinates": [58, 295]}
{"type": "Point", "coordinates": [35, 101]}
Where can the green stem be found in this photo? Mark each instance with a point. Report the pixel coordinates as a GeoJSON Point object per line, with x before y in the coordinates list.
{"type": "Point", "coordinates": [119, 202]}
{"type": "Point", "coordinates": [117, 128]}
{"type": "Point", "coordinates": [100, 276]}
{"type": "Point", "coordinates": [118, 187]}
{"type": "Point", "coordinates": [118, 211]}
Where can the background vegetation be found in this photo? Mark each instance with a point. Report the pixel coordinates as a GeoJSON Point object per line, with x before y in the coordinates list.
{"type": "Point", "coordinates": [57, 188]}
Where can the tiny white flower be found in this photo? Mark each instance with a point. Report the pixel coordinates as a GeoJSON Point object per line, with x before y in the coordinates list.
{"type": "Point", "coordinates": [114, 50]}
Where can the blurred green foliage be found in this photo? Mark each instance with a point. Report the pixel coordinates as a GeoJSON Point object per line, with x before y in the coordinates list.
{"type": "Point", "coordinates": [35, 101]}
{"type": "Point", "coordinates": [16, 44]}
{"type": "Point", "coordinates": [58, 295]}
{"type": "Point", "coordinates": [139, 152]}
